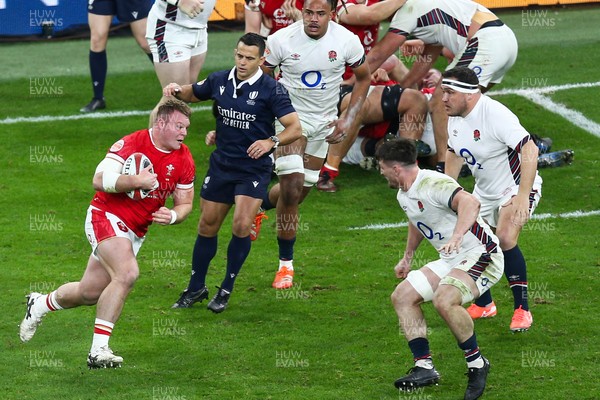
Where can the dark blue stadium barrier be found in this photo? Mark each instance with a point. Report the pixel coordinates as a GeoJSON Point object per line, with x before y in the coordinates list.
{"type": "Point", "coordinates": [33, 17]}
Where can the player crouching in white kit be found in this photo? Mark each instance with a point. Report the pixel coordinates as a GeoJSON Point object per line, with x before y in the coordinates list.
{"type": "Point", "coordinates": [470, 262]}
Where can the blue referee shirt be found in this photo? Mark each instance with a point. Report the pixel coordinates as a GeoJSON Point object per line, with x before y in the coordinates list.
{"type": "Point", "coordinates": [246, 112]}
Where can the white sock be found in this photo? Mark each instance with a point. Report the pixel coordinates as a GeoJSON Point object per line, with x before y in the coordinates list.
{"type": "Point", "coordinates": [426, 363]}
{"type": "Point", "coordinates": [287, 264]}
{"type": "Point", "coordinates": [330, 167]}
{"type": "Point", "coordinates": [45, 304]}
{"type": "Point", "coordinates": [102, 331]}
{"type": "Point", "coordinates": [477, 363]}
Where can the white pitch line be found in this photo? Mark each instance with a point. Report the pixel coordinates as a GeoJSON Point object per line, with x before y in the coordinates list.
{"type": "Point", "coordinates": [572, 214]}
{"type": "Point", "coordinates": [546, 89]}
{"type": "Point", "coordinates": [100, 115]}
{"type": "Point", "coordinates": [573, 116]}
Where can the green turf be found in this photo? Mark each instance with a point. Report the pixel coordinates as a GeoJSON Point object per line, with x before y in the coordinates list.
{"type": "Point", "coordinates": [333, 336]}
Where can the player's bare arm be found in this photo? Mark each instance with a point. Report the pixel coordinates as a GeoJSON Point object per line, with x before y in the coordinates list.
{"type": "Point", "coordinates": [108, 178]}
{"type": "Point", "coordinates": [421, 66]}
{"type": "Point", "coordinates": [529, 155]}
{"type": "Point", "coordinates": [361, 14]}
{"type": "Point", "coordinates": [191, 8]}
{"type": "Point", "coordinates": [183, 200]}
{"type": "Point", "coordinates": [252, 18]}
{"type": "Point", "coordinates": [268, 70]}
{"type": "Point", "coordinates": [453, 165]}
{"type": "Point", "coordinates": [349, 122]}
{"type": "Point", "coordinates": [184, 93]}
{"type": "Point", "coordinates": [467, 210]}
{"type": "Point", "coordinates": [412, 243]}
{"type": "Point", "coordinates": [292, 132]}
{"type": "Point", "coordinates": [387, 46]}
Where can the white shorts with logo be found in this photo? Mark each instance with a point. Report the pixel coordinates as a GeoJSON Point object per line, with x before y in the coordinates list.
{"type": "Point", "coordinates": [495, 49]}
{"type": "Point", "coordinates": [315, 131]}
{"type": "Point", "coordinates": [177, 43]}
{"type": "Point", "coordinates": [101, 225]}
{"type": "Point", "coordinates": [485, 270]}
{"type": "Point", "coordinates": [490, 209]}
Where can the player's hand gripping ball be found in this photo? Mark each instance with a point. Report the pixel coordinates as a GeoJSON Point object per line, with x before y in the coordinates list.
{"type": "Point", "coordinates": [134, 164]}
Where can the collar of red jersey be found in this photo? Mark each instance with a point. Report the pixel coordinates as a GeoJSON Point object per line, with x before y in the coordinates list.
{"type": "Point", "coordinates": [249, 81]}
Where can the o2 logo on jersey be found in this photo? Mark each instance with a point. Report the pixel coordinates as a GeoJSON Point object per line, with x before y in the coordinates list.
{"type": "Point", "coordinates": [469, 158]}
{"type": "Point", "coordinates": [428, 232]}
{"type": "Point", "coordinates": [312, 79]}
{"type": "Point", "coordinates": [477, 69]}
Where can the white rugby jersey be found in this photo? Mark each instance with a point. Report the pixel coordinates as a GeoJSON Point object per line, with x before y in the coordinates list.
{"type": "Point", "coordinates": [428, 206]}
{"type": "Point", "coordinates": [163, 11]}
{"type": "Point", "coordinates": [444, 22]}
{"type": "Point", "coordinates": [490, 140]}
{"type": "Point", "coordinates": [312, 69]}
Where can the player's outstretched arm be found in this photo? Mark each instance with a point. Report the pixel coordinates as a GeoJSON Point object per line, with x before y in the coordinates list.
{"type": "Point", "coordinates": [387, 46]}
{"type": "Point", "coordinates": [184, 93]}
{"type": "Point", "coordinates": [421, 66]}
{"type": "Point", "coordinates": [252, 17]}
{"type": "Point", "coordinates": [361, 14]}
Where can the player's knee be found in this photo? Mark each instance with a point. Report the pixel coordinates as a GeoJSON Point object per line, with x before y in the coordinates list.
{"type": "Point", "coordinates": [404, 296]}
{"type": "Point", "coordinates": [444, 298]}
{"type": "Point", "coordinates": [241, 227]}
{"type": "Point", "coordinates": [128, 277]}
{"type": "Point", "coordinates": [507, 237]}
{"type": "Point", "coordinates": [440, 301]}
{"type": "Point", "coordinates": [98, 41]}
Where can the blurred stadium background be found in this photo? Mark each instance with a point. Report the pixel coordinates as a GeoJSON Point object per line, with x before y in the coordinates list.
{"type": "Point", "coordinates": [60, 18]}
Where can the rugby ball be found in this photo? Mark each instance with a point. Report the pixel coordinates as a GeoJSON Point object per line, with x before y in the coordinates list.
{"type": "Point", "coordinates": [134, 164]}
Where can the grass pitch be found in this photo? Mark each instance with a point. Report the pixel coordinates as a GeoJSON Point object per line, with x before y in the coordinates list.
{"type": "Point", "coordinates": [335, 334]}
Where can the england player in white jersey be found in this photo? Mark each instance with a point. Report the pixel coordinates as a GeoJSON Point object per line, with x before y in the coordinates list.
{"type": "Point", "coordinates": [475, 35]}
{"type": "Point", "coordinates": [312, 69]}
{"type": "Point", "coordinates": [177, 35]}
{"type": "Point", "coordinates": [439, 210]}
{"type": "Point", "coordinates": [312, 55]}
{"type": "Point", "coordinates": [503, 159]}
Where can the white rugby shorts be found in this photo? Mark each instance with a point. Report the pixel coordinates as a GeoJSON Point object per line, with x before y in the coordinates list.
{"type": "Point", "coordinates": [490, 209]}
{"type": "Point", "coordinates": [491, 52]}
{"type": "Point", "coordinates": [172, 43]}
